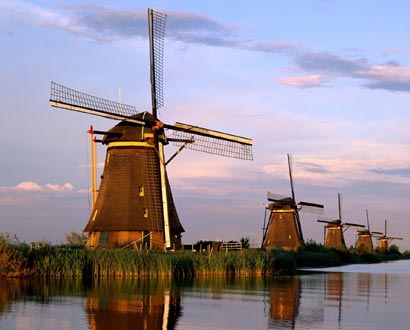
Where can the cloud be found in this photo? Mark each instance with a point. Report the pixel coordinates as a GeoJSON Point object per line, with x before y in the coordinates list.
{"type": "Point", "coordinates": [109, 23]}
{"type": "Point", "coordinates": [33, 186]}
{"type": "Point", "coordinates": [342, 171]}
{"type": "Point", "coordinates": [29, 186]}
{"type": "Point", "coordinates": [304, 82]}
{"type": "Point", "coordinates": [58, 188]}
{"type": "Point", "coordinates": [396, 51]}
{"type": "Point", "coordinates": [404, 172]}
{"type": "Point", "coordinates": [29, 191]}
{"type": "Point", "coordinates": [329, 63]}
{"type": "Point", "coordinates": [390, 77]}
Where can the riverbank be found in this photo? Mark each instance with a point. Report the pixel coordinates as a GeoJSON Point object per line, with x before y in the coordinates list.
{"type": "Point", "coordinates": [21, 260]}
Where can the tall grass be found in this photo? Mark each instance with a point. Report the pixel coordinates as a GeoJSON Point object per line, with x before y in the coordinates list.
{"type": "Point", "coordinates": [77, 262]}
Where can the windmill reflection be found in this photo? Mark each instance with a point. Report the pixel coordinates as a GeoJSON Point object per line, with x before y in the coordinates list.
{"type": "Point", "coordinates": [133, 304]}
{"type": "Point", "coordinates": [284, 299]}
{"type": "Point", "coordinates": [334, 292]}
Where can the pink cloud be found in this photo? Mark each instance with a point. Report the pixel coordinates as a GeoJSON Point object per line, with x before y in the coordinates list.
{"type": "Point", "coordinates": [389, 72]}
{"type": "Point", "coordinates": [29, 186]}
{"type": "Point", "coordinates": [305, 82]}
{"type": "Point", "coordinates": [56, 187]}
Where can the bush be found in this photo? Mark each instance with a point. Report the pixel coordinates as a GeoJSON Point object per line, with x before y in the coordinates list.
{"type": "Point", "coordinates": [12, 261]}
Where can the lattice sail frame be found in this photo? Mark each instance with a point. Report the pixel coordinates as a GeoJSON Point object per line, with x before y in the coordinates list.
{"type": "Point", "coordinates": [157, 23]}
{"type": "Point", "coordinates": [212, 142]}
{"type": "Point", "coordinates": [67, 98]}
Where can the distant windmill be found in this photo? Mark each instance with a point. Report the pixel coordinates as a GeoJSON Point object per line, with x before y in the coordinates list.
{"type": "Point", "coordinates": [134, 205]}
{"type": "Point", "coordinates": [364, 237]}
{"type": "Point", "coordinates": [333, 231]}
{"type": "Point", "coordinates": [383, 241]}
{"type": "Point", "coordinates": [283, 228]}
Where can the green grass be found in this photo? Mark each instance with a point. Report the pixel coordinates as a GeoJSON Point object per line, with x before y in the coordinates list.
{"type": "Point", "coordinates": [19, 260]}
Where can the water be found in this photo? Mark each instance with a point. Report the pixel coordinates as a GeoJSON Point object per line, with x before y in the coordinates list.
{"type": "Point", "coordinates": [351, 297]}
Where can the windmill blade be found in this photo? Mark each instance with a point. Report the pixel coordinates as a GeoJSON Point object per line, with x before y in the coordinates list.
{"type": "Point", "coordinates": [353, 224]}
{"type": "Point", "coordinates": [327, 221]}
{"type": "Point", "coordinates": [339, 203]}
{"type": "Point", "coordinates": [263, 204]}
{"type": "Point", "coordinates": [290, 175]}
{"type": "Point", "coordinates": [70, 99]}
{"type": "Point", "coordinates": [377, 233]}
{"type": "Point", "coordinates": [213, 142]}
{"type": "Point", "coordinates": [311, 207]}
{"type": "Point", "coordinates": [391, 238]}
{"type": "Point", "coordinates": [367, 218]}
{"type": "Point", "coordinates": [156, 24]}
{"type": "Point", "coordinates": [278, 198]}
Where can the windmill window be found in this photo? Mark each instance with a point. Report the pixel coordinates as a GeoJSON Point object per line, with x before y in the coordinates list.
{"type": "Point", "coordinates": [103, 238]}
{"type": "Point", "coordinates": [145, 213]}
{"type": "Point", "coordinates": [141, 191]}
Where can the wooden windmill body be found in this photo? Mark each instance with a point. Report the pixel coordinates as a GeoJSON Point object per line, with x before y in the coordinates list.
{"type": "Point", "coordinates": [383, 241]}
{"type": "Point", "coordinates": [334, 229]}
{"type": "Point", "coordinates": [364, 240]}
{"type": "Point", "coordinates": [129, 193]}
{"type": "Point", "coordinates": [283, 228]}
{"type": "Point", "coordinates": [134, 205]}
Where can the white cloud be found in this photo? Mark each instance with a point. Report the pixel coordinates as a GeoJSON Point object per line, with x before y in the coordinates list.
{"type": "Point", "coordinates": [29, 186]}
{"type": "Point", "coordinates": [56, 187]}
{"type": "Point", "coordinates": [29, 191]}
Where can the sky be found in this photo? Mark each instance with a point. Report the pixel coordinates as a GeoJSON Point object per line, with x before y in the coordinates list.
{"type": "Point", "coordinates": [325, 81]}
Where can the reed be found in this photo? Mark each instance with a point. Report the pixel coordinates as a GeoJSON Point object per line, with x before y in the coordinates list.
{"type": "Point", "coordinates": [78, 262]}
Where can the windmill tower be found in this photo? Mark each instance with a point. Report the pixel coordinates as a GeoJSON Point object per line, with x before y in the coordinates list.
{"type": "Point", "coordinates": [283, 228]}
{"type": "Point", "coordinates": [334, 229]}
{"type": "Point", "coordinates": [383, 241]}
{"type": "Point", "coordinates": [364, 240]}
{"type": "Point", "coordinates": [134, 205]}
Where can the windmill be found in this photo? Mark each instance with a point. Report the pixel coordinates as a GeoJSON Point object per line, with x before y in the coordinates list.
{"type": "Point", "coordinates": [333, 231]}
{"type": "Point", "coordinates": [283, 228]}
{"type": "Point", "coordinates": [383, 241]}
{"type": "Point", "coordinates": [134, 205]}
{"type": "Point", "coordinates": [364, 237]}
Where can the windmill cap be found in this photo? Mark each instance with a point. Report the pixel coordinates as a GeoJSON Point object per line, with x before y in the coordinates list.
{"type": "Point", "coordinates": [128, 131]}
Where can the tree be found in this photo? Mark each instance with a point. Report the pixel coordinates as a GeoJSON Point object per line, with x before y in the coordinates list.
{"type": "Point", "coordinates": [245, 242]}
{"type": "Point", "coordinates": [75, 238]}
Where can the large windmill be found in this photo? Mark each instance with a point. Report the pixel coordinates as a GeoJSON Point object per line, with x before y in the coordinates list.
{"type": "Point", "coordinates": [134, 205]}
{"type": "Point", "coordinates": [383, 241]}
{"type": "Point", "coordinates": [283, 228]}
{"type": "Point", "coordinates": [335, 228]}
{"type": "Point", "coordinates": [364, 237]}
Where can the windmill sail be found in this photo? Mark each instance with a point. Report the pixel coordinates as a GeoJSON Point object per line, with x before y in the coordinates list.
{"type": "Point", "coordinates": [204, 140]}
{"type": "Point", "coordinates": [156, 21]}
{"type": "Point", "coordinates": [213, 142]}
{"type": "Point", "coordinates": [278, 198]}
{"type": "Point", "coordinates": [71, 99]}
{"type": "Point", "coordinates": [311, 207]}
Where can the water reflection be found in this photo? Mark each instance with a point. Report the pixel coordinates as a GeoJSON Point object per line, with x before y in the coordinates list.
{"type": "Point", "coordinates": [128, 304]}
{"type": "Point", "coordinates": [334, 292]}
{"type": "Point", "coordinates": [331, 300]}
{"type": "Point", "coordinates": [284, 296]}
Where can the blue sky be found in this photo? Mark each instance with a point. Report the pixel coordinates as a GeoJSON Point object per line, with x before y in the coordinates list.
{"type": "Point", "coordinates": [326, 81]}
